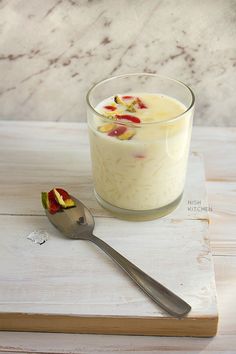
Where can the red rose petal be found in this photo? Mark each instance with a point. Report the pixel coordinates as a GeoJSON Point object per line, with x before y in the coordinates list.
{"type": "Point", "coordinates": [118, 131]}
{"type": "Point", "coordinates": [128, 117]}
{"type": "Point", "coordinates": [53, 204]}
{"type": "Point", "coordinates": [110, 108]}
{"type": "Point", "coordinates": [127, 97]}
{"type": "Point", "coordinates": [140, 103]}
{"type": "Point", "coordinates": [63, 193]}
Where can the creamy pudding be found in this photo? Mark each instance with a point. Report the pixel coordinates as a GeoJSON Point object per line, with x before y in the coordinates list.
{"type": "Point", "coordinates": [139, 151]}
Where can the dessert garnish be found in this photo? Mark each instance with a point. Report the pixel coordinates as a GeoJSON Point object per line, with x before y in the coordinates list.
{"type": "Point", "coordinates": [140, 103]}
{"type": "Point", "coordinates": [128, 105]}
{"type": "Point", "coordinates": [49, 202]}
{"type": "Point", "coordinates": [128, 117]}
{"type": "Point", "coordinates": [116, 111]}
{"type": "Point", "coordinates": [124, 104]}
{"type": "Point", "coordinates": [118, 131]}
{"type": "Point", "coordinates": [119, 100]}
{"type": "Point", "coordinates": [56, 200]}
{"type": "Point", "coordinates": [127, 97]}
{"type": "Point", "coordinates": [127, 135]}
{"type": "Point", "coordinates": [130, 102]}
{"type": "Point", "coordinates": [110, 108]}
{"type": "Point", "coordinates": [106, 128]}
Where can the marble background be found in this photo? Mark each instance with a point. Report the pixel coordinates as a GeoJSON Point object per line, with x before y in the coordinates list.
{"type": "Point", "coordinates": [52, 51]}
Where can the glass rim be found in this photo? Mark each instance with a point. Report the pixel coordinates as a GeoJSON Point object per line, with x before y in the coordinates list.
{"type": "Point", "coordinates": [170, 120]}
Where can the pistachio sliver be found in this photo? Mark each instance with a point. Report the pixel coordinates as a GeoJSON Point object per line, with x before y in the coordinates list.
{"type": "Point", "coordinates": [127, 135]}
{"type": "Point", "coordinates": [118, 100]}
{"type": "Point", "coordinates": [106, 128]}
{"type": "Point", "coordinates": [110, 115]}
{"type": "Point", "coordinates": [129, 106]}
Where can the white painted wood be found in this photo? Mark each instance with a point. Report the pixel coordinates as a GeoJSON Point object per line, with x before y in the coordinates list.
{"type": "Point", "coordinates": [68, 277]}
{"type": "Point", "coordinates": [90, 344]}
{"type": "Point", "coordinates": [222, 197]}
{"type": "Point", "coordinates": [218, 146]}
{"type": "Point", "coordinates": [74, 277]}
{"type": "Point", "coordinates": [60, 156]}
{"type": "Point", "coordinates": [29, 182]}
{"type": "Point", "coordinates": [224, 342]}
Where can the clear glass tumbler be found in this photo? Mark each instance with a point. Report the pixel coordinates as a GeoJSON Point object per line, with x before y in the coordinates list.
{"type": "Point", "coordinates": [141, 178]}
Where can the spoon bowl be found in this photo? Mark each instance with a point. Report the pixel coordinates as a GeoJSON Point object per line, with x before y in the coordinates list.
{"type": "Point", "coordinates": [78, 223]}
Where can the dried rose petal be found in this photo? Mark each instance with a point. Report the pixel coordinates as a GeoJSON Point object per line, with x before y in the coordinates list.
{"type": "Point", "coordinates": [128, 117]}
{"type": "Point", "coordinates": [140, 103]}
{"type": "Point", "coordinates": [110, 108]}
{"type": "Point", "coordinates": [63, 198]}
{"type": "Point", "coordinates": [54, 206]}
{"type": "Point", "coordinates": [118, 131]}
{"type": "Point", "coordinates": [127, 97]}
{"type": "Point", "coordinates": [56, 200]}
{"type": "Point", "coordinates": [63, 193]}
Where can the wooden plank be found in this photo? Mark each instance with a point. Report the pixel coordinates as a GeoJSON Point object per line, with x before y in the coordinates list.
{"type": "Point", "coordinates": [49, 280]}
{"type": "Point", "coordinates": [211, 142]}
{"type": "Point", "coordinates": [152, 246]}
{"type": "Point", "coordinates": [70, 140]}
{"type": "Point", "coordinates": [90, 344]}
{"type": "Point", "coordinates": [222, 197]}
{"type": "Point", "coordinates": [37, 157]}
{"type": "Point", "coordinates": [218, 146]}
{"type": "Point", "coordinates": [189, 327]}
{"type": "Point", "coordinates": [60, 155]}
{"type": "Point", "coordinates": [225, 270]}
{"type": "Point", "coordinates": [21, 193]}
{"type": "Point", "coordinates": [225, 341]}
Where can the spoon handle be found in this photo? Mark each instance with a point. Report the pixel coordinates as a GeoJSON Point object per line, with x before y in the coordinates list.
{"type": "Point", "coordinates": [170, 302]}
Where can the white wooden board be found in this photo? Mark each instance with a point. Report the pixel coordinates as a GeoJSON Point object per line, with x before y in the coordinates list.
{"type": "Point", "coordinates": [71, 286]}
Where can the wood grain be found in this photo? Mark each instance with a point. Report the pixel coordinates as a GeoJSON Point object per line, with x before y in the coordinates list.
{"type": "Point", "coordinates": [224, 342]}
{"type": "Point", "coordinates": [218, 146]}
{"type": "Point", "coordinates": [80, 292]}
{"type": "Point", "coordinates": [60, 156]}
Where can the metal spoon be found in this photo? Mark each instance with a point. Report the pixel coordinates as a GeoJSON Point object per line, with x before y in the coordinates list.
{"type": "Point", "coordinates": [78, 223]}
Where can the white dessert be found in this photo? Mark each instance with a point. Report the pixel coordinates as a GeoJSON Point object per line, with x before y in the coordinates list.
{"type": "Point", "coordinates": [144, 169]}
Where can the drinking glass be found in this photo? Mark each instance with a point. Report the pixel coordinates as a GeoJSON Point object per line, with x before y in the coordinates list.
{"type": "Point", "coordinates": [141, 178]}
